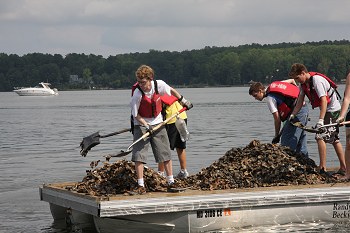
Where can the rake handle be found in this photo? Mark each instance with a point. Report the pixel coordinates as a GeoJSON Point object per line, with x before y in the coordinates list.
{"type": "Point", "coordinates": [334, 124]}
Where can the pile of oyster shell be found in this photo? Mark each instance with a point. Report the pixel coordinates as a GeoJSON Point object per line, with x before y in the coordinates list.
{"type": "Point", "coordinates": [256, 165]}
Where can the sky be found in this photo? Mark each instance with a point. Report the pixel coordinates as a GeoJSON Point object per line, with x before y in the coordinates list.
{"type": "Point", "coordinates": [111, 27]}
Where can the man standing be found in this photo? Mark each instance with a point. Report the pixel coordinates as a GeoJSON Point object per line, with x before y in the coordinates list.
{"type": "Point", "coordinates": [146, 107]}
{"type": "Point", "coordinates": [344, 110]}
{"type": "Point", "coordinates": [322, 93]}
{"type": "Point", "coordinates": [171, 106]}
{"type": "Point", "coordinates": [281, 98]}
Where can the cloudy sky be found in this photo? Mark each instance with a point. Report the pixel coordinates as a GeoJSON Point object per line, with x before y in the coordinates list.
{"type": "Point", "coordinates": [110, 27]}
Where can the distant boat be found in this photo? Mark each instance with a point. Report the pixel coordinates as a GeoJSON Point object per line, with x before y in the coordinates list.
{"type": "Point", "coordinates": [43, 89]}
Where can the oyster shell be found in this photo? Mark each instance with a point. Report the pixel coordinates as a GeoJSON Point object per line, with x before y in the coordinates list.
{"type": "Point", "coordinates": [256, 165]}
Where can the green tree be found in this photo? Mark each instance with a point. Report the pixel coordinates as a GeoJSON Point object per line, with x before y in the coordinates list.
{"type": "Point", "coordinates": [87, 77]}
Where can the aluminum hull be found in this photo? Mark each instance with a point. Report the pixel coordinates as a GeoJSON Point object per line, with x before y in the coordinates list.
{"type": "Point", "coordinates": [201, 211]}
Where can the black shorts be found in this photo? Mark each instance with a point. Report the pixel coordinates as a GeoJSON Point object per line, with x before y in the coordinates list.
{"type": "Point", "coordinates": [174, 137]}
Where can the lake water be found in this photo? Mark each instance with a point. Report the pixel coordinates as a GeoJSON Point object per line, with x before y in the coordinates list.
{"type": "Point", "coordinates": [40, 137]}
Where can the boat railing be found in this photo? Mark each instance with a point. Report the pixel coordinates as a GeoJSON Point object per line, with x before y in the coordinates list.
{"type": "Point", "coordinates": [17, 88]}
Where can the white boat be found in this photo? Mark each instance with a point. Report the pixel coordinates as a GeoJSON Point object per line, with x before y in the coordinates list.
{"type": "Point", "coordinates": [200, 211]}
{"type": "Point", "coordinates": [43, 89]}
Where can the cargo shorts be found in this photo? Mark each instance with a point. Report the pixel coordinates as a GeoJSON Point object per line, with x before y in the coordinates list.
{"type": "Point", "coordinates": [331, 134]}
{"type": "Point", "coordinates": [159, 142]}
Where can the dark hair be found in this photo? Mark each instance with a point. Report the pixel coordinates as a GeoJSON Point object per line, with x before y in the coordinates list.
{"type": "Point", "coordinates": [255, 87]}
{"type": "Point", "coordinates": [296, 69]}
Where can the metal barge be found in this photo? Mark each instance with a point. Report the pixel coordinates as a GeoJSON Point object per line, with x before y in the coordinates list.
{"type": "Point", "coordinates": [200, 211]}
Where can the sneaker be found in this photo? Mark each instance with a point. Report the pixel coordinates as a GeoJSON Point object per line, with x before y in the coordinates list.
{"type": "Point", "coordinates": [324, 173]}
{"type": "Point", "coordinates": [162, 174]}
{"type": "Point", "coordinates": [174, 188]}
{"type": "Point", "coordinates": [182, 174]}
{"type": "Point", "coordinates": [340, 172]}
{"type": "Point", "coordinates": [138, 190]}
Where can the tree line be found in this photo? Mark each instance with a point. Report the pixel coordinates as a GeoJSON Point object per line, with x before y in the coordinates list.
{"type": "Point", "coordinates": [210, 66]}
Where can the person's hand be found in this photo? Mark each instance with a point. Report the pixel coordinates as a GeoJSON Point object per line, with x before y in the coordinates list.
{"type": "Point", "coordinates": [149, 129]}
{"type": "Point", "coordinates": [276, 139]}
{"type": "Point", "coordinates": [185, 103]}
{"type": "Point", "coordinates": [340, 120]}
{"type": "Point", "coordinates": [319, 124]}
{"type": "Point", "coordinates": [293, 119]}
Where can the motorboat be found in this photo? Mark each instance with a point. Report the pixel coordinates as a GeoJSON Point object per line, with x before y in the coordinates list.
{"type": "Point", "coordinates": [43, 89]}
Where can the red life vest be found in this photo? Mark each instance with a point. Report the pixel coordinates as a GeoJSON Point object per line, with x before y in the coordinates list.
{"type": "Point", "coordinates": [149, 107]}
{"type": "Point", "coordinates": [311, 93]}
{"type": "Point", "coordinates": [287, 93]}
{"type": "Point", "coordinates": [168, 99]}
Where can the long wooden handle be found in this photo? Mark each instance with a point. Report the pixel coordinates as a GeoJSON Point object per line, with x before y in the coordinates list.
{"type": "Point", "coordinates": [335, 124]}
{"type": "Point", "coordinates": [115, 133]}
{"type": "Point", "coordinates": [147, 134]}
{"type": "Point", "coordinates": [169, 119]}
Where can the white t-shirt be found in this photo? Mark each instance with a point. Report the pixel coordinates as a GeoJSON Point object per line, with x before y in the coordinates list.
{"type": "Point", "coordinates": [163, 89]}
{"type": "Point", "coordinates": [321, 86]}
{"type": "Point", "coordinates": [272, 104]}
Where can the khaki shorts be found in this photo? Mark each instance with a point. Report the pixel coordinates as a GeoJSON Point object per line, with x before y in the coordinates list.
{"type": "Point", "coordinates": [159, 142]}
{"type": "Point", "coordinates": [331, 135]}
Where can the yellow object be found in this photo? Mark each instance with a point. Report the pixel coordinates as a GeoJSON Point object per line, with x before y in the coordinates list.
{"type": "Point", "coordinates": [172, 109]}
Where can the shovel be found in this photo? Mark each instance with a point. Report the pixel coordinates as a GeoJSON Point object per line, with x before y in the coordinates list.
{"type": "Point", "coordinates": [318, 130]}
{"type": "Point", "coordinates": [144, 136]}
{"type": "Point", "coordinates": [94, 139]}
{"type": "Point", "coordinates": [335, 124]}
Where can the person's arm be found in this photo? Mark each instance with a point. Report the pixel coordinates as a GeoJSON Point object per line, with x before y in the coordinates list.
{"type": "Point", "coordinates": [272, 105]}
{"type": "Point", "coordinates": [175, 93]}
{"type": "Point", "coordinates": [135, 104]}
{"type": "Point", "coordinates": [323, 110]}
{"type": "Point", "coordinates": [141, 120]}
{"type": "Point", "coordinates": [323, 107]}
{"type": "Point", "coordinates": [291, 81]}
{"type": "Point", "coordinates": [277, 121]}
{"type": "Point", "coordinates": [320, 86]}
{"type": "Point", "coordinates": [181, 99]}
{"type": "Point", "coordinates": [144, 123]}
{"type": "Point", "coordinates": [346, 99]}
{"type": "Point", "coordinates": [299, 104]}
